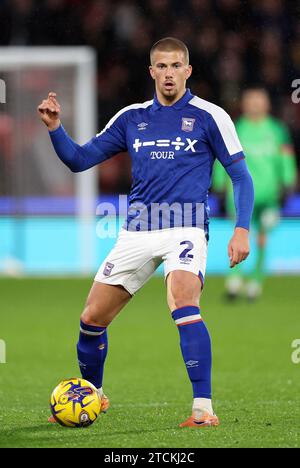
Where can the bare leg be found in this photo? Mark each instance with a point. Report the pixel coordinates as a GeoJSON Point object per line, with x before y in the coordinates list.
{"type": "Point", "coordinates": [183, 288]}
{"type": "Point", "coordinates": [104, 302]}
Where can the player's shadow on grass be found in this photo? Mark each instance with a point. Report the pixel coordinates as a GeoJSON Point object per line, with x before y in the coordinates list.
{"type": "Point", "coordinates": [55, 428]}
{"type": "Point", "coordinates": [26, 430]}
{"type": "Point", "coordinates": [28, 436]}
{"type": "Point", "coordinates": [138, 431]}
{"type": "Point", "coordinates": [46, 435]}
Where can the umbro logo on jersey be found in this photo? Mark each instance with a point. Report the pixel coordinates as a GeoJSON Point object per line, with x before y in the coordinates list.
{"type": "Point", "coordinates": [187, 124]}
{"type": "Point", "coordinates": [177, 144]}
{"type": "Point", "coordinates": [142, 126]}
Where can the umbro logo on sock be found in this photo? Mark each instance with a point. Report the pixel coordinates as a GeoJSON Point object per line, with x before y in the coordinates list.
{"type": "Point", "coordinates": [81, 365]}
{"type": "Point", "coordinates": [192, 363]}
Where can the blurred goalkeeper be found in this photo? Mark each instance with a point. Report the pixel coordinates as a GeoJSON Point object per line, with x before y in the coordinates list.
{"type": "Point", "coordinates": [271, 161]}
{"type": "Point", "coordinates": [173, 141]}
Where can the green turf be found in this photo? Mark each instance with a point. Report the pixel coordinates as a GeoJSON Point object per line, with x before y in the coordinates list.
{"type": "Point", "coordinates": [256, 385]}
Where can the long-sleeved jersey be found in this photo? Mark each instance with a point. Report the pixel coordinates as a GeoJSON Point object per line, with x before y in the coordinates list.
{"type": "Point", "coordinates": [173, 149]}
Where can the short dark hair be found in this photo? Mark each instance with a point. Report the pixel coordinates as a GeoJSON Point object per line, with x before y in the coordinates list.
{"type": "Point", "coordinates": [255, 88]}
{"type": "Point", "coordinates": [169, 44]}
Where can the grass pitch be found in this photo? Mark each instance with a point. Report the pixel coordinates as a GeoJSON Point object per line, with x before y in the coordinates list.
{"type": "Point", "coordinates": [256, 385]}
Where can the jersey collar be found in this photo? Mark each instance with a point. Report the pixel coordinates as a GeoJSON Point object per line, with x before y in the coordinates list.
{"type": "Point", "coordinates": [178, 104]}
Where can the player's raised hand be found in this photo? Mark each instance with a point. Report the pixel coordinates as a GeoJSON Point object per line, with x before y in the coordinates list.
{"type": "Point", "coordinates": [238, 247]}
{"type": "Point", "coordinates": [49, 111]}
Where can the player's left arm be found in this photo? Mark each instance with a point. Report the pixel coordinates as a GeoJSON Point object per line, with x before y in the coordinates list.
{"type": "Point", "coordinates": [228, 150]}
{"type": "Point", "coordinates": [238, 247]}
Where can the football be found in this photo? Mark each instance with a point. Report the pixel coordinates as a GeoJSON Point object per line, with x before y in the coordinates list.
{"type": "Point", "coordinates": [75, 403]}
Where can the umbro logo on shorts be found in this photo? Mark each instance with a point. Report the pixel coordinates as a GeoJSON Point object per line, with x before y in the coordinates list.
{"type": "Point", "coordinates": [108, 268]}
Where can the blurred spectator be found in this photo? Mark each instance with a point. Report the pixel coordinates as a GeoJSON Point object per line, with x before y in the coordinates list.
{"type": "Point", "coordinates": [125, 18]}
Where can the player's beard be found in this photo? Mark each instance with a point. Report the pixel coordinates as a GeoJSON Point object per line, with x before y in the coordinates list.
{"type": "Point", "coordinates": [170, 94]}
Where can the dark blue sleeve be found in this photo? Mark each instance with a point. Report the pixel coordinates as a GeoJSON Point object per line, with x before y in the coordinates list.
{"type": "Point", "coordinates": [111, 141]}
{"type": "Point", "coordinates": [243, 192]}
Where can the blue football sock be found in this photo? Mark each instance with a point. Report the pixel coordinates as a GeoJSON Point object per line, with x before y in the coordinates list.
{"type": "Point", "coordinates": [91, 352]}
{"type": "Point", "coordinates": [196, 349]}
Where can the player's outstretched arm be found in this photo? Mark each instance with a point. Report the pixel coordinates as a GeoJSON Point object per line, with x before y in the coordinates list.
{"type": "Point", "coordinates": [49, 111]}
{"type": "Point", "coordinates": [79, 158]}
{"type": "Point", "coordinates": [66, 149]}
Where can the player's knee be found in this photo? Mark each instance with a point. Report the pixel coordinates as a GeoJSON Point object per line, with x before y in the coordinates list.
{"type": "Point", "coordinates": [183, 301]}
{"type": "Point", "coordinates": [185, 296]}
{"type": "Point", "coordinates": [184, 289]}
{"type": "Point", "coordinates": [93, 315]}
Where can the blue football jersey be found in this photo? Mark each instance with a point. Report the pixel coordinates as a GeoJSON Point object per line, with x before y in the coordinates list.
{"type": "Point", "coordinates": [172, 149]}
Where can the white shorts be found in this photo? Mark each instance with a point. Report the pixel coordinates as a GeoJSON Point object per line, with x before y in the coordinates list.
{"type": "Point", "coordinates": [137, 254]}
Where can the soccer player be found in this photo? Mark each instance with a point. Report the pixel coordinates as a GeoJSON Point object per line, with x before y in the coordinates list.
{"type": "Point", "coordinates": [270, 158]}
{"type": "Point", "coordinates": [173, 141]}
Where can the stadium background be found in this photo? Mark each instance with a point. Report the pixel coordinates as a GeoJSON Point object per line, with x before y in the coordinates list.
{"type": "Point", "coordinates": [232, 44]}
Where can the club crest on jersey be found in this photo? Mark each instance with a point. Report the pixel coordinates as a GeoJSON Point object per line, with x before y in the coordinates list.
{"type": "Point", "coordinates": [107, 269]}
{"type": "Point", "coordinates": [187, 124]}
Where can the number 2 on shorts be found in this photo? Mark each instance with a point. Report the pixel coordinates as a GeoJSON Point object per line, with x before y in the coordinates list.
{"type": "Point", "coordinates": [185, 252]}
